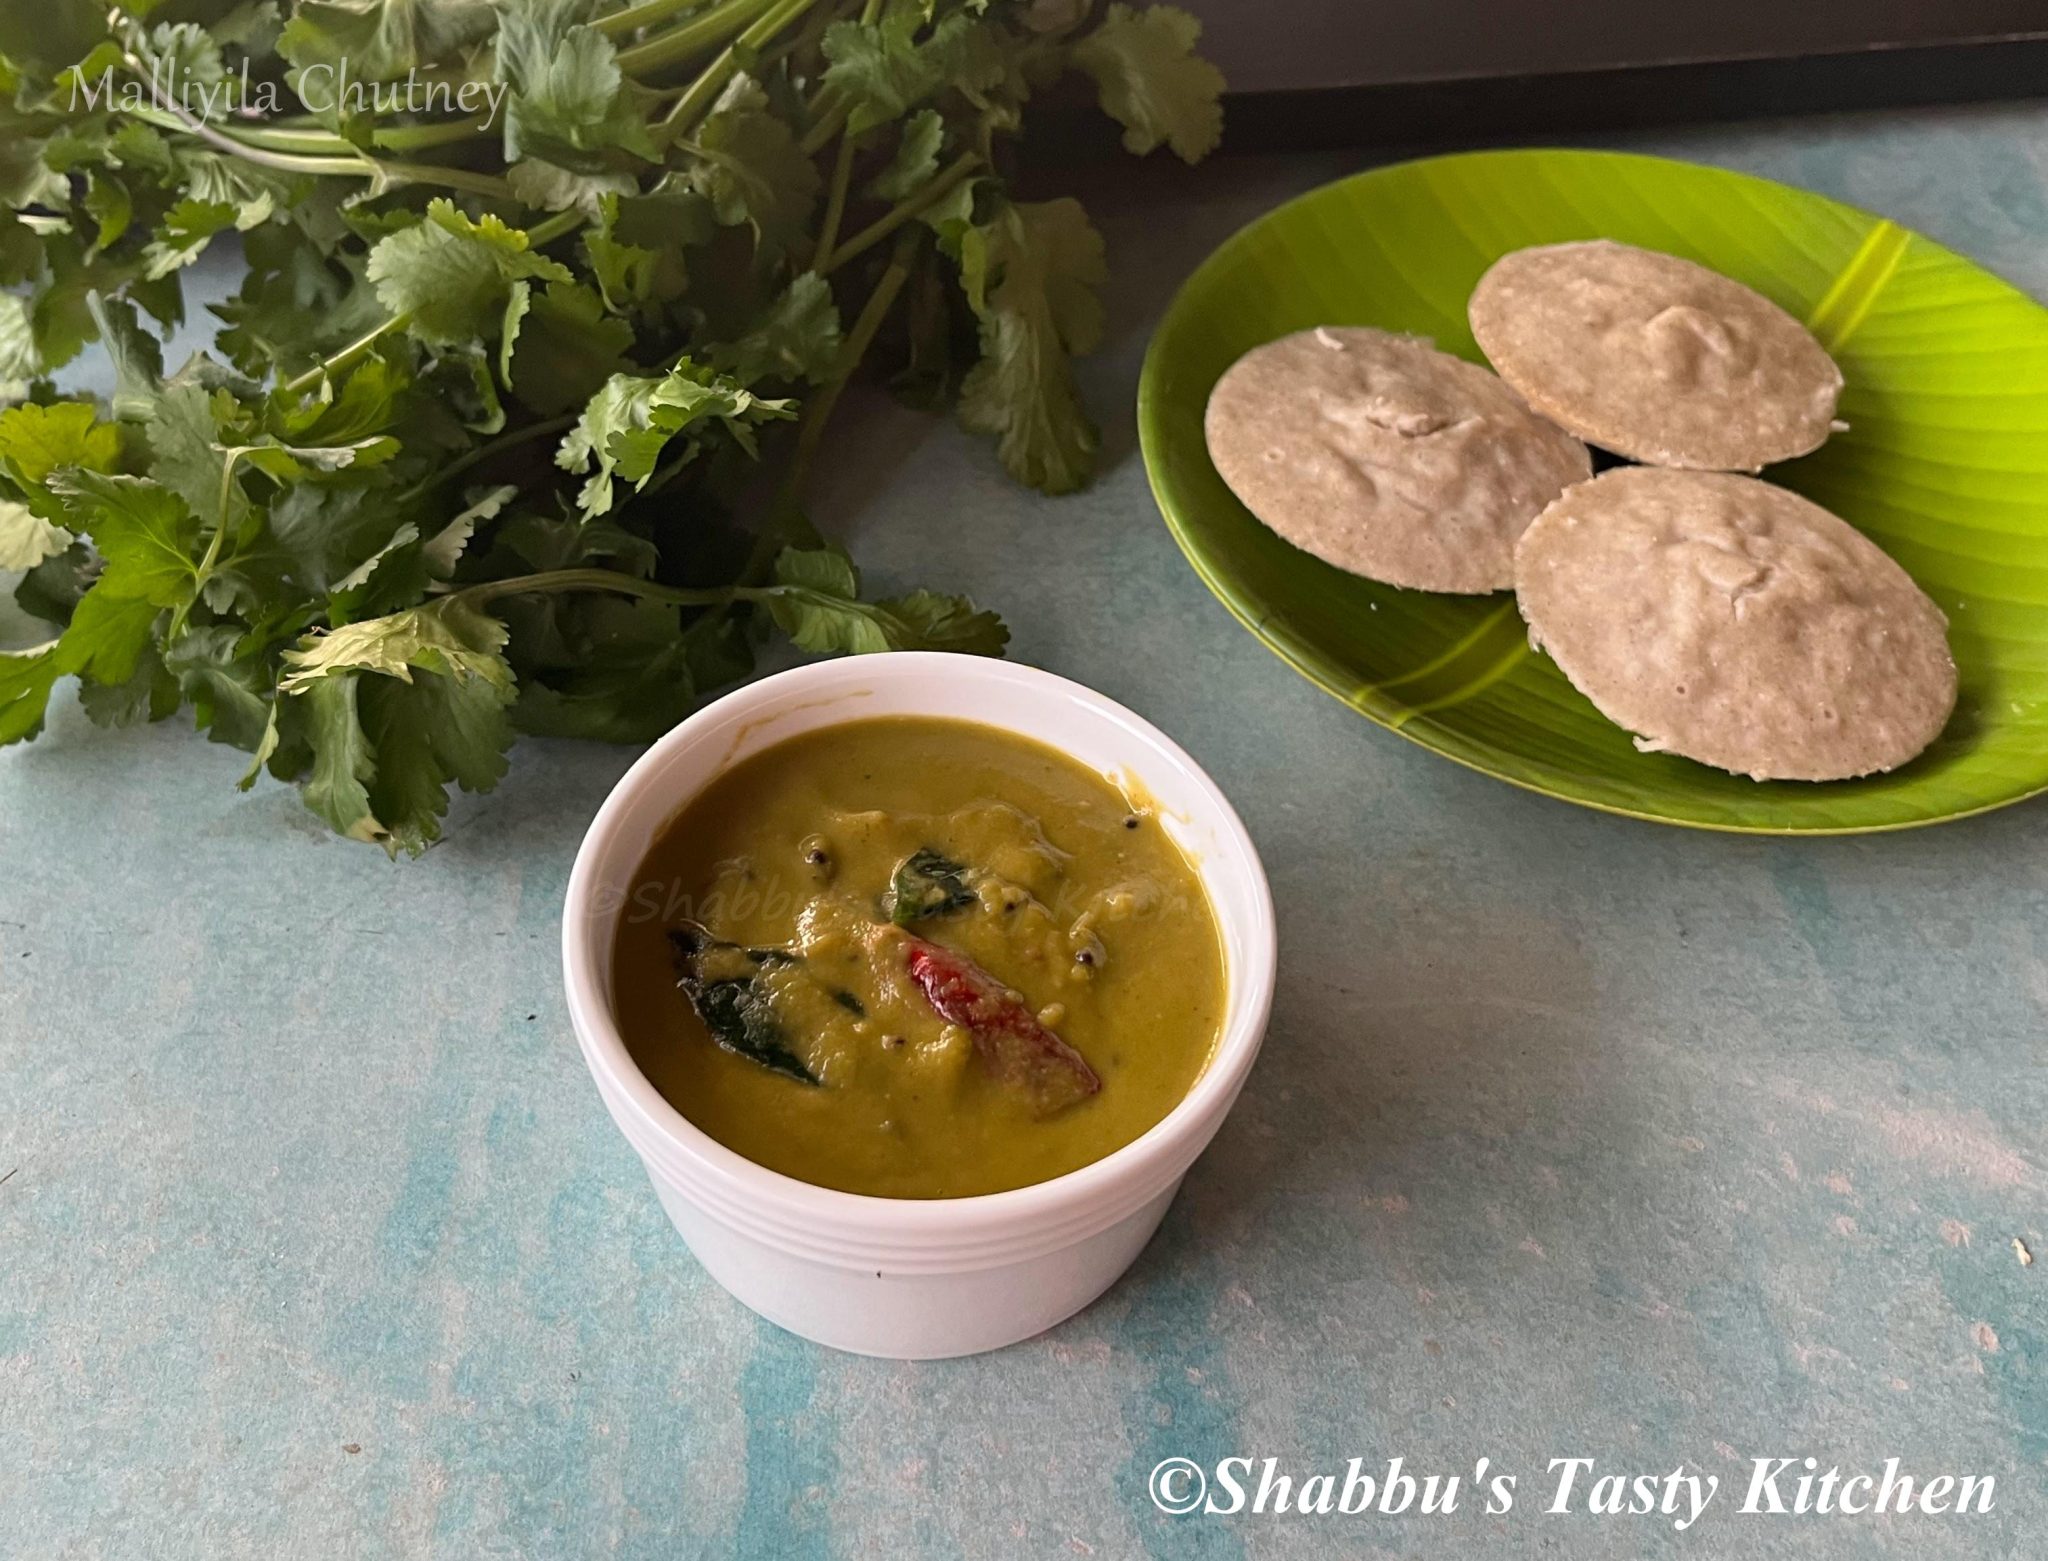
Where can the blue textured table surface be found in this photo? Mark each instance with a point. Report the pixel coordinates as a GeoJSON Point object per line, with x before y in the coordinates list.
{"type": "Point", "coordinates": [1573, 1136]}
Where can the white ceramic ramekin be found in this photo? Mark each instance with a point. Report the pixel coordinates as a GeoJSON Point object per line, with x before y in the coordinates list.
{"type": "Point", "coordinates": [912, 1278]}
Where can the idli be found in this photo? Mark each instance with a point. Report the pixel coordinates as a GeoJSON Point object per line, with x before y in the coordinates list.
{"type": "Point", "coordinates": [1387, 458]}
{"type": "Point", "coordinates": [1655, 358]}
{"type": "Point", "coordinates": [1736, 623]}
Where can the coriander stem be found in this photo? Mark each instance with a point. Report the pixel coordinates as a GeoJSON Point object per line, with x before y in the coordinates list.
{"type": "Point", "coordinates": [851, 351]}
{"type": "Point", "coordinates": [478, 454]}
{"type": "Point", "coordinates": [758, 36]}
{"type": "Point", "coordinates": [651, 590]}
{"type": "Point", "coordinates": [835, 204]}
{"type": "Point", "coordinates": [842, 168]}
{"type": "Point", "coordinates": [415, 138]}
{"type": "Point", "coordinates": [813, 32]}
{"type": "Point", "coordinates": [228, 464]}
{"type": "Point", "coordinates": [819, 408]}
{"type": "Point", "coordinates": [171, 117]}
{"type": "Point", "coordinates": [232, 458]}
{"type": "Point", "coordinates": [599, 580]}
{"type": "Point", "coordinates": [694, 38]}
{"type": "Point", "coordinates": [298, 384]}
{"type": "Point", "coordinates": [698, 97]}
{"type": "Point", "coordinates": [942, 184]}
{"type": "Point", "coordinates": [560, 225]}
{"type": "Point", "coordinates": [487, 184]}
{"type": "Point", "coordinates": [297, 136]}
{"type": "Point", "coordinates": [832, 109]}
{"type": "Point", "coordinates": [352, 165]}
{"type": "Point", "coordinates": [277, 139]}
{"type": "Point", "coordinates": [635, 17]}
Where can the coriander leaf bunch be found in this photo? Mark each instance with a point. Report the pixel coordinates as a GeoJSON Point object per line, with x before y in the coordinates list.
{"type": "Point", "coordinates": [540, 321]}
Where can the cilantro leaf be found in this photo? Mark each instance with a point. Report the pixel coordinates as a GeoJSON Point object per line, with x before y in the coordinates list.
{"type": "Point", "coordinates": [936, 622]}
{"type": "Point", "coordinates": [1152, 82]}
{"type": "Point", "coordinates": [137, 356]}
{"type": "Point", "coordinates": [797, 339]}
{"type": "Point", "coordinates": [749, 165]}
{"type": "Point", "coordinates": [303, 462]}
{"type": "Point", "coordinates": [26, 539]}
{"type": "Point", "coordinates": [428, 734]}
{"type": "Point", "coordinates": [448, 637]}
{"type": "Point", "coordinates": [829, 625]}
{"type": "Point", "coordinates": [107, 636]}
{"type": "Point", "coordinates": [546, 186]}
{"type": "Point", "coordinates": [343, 760]}
{"type": "Point", "coordinates": [381, 40]}
{"type": "Point", "coordinates": [46, 38]}
{"type": "Point", "coordinates": [630, 421]}
{"type": "Point", "coordinates": [404, 565]}
{"type": "Point", "coordinates": [25, 684]}
{"type": "Point", "coordinates": [880, 66]}
{"type": "Point", "coordinates": [229, 689]}
{"type": "Point", "coordinates": [38, 440]}
{"type": "Point", "coordinates": [324, 532]}
{"type": "Point", "coordinates": [181, 236]}
{"type": "Point", "coordinates": [1030, 275]}
{"type": "Point", "coordinates": [639, 676]}
{"type": "Point", "coordinates": [110, 206]}
{"type": "Point", "coordinates": [561, 346]}
{"type": "Point", "coordinates": [144, 532]}
{"type": "Point", "coordinates": [221, 193]}
{"type": "Point", "coordinates": [268, 752]}
{"type": "Point", "coordinates": [53, 589]}
{"type": "Point", "coordinates": [186, 53]}
{"type": "Point", "coordinates": [389, 515]}
{"type": "Point", "coordinates": [366, 405]}
{"type": "Point", "coordinates": [823, 569]}
{"type": "Point", "coordinates": [886, 69]}
{"type": "Point", "coordinates": [443, 550]}
{"type": "Point", "coordinates": [450, 276]}
{"type": "Point", "coordinates": [183, 435]}
{"type": "Point", "coordinates": [297, 303]}
{"type": "Point", "coordinates": [401, 707]}
{"type": "Point", "coordinates": [21, 356]}
{"type": "Point", "coordinates": [149, 693]}
{"type": "Point", "coordinates": [636, 250]}
{"type": "Point", "coordinates": [568, 98]}
{"type": "Point", "coordinates": [404, 537]}
{"type": "Point", "coordinates": [817, 605]}
{"type": "Point", "coordinates": [545, 542]}
{"type": "Point", "coordinates": [146, 536]}
{"type": "Point", "coordinates": [916, 157]}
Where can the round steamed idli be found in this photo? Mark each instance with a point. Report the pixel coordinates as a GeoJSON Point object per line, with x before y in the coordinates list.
{"type": "Point", "coordinates": [1655, 358]}
{"type": "Point", "coordinates": [1735, 623]}
{"type": "Point", "coordinates": [1383, 456]}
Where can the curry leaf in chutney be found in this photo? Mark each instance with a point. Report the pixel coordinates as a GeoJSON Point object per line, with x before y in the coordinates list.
{"type": "Point", "coordinates": [927, 883]}
{"type": "Point", "coordinates": [722, 982]}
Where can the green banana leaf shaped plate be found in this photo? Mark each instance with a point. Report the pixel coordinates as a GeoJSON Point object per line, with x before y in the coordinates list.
{"type": "Point", "coordinates": [1944, 464]}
